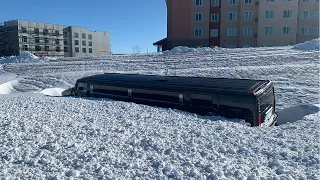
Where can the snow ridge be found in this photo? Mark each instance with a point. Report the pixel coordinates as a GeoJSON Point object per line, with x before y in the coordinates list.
{"type": "Point", "coordinates": [308, 45]}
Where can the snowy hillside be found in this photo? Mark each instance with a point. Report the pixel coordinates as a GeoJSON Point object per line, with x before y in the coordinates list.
{"type": "Point", "coordinates": [59, 137]}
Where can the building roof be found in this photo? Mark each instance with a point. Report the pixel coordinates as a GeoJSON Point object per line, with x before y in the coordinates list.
{"type": "Point", "coordinates": [160, 42]}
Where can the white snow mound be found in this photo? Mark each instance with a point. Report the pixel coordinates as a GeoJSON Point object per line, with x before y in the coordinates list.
{"type": "Point", "coordinates": [295, 113]}
{"type": "Point", "coordinates": [52, 91]}
{"type": "Point", "coordinates": [308, 45]}
{"type": "Point", "coordinates": [25, 58]}
{"type": "Point", "coordinates": [7, 88]}
{"type": "Point", "coordinates": [184, 49]}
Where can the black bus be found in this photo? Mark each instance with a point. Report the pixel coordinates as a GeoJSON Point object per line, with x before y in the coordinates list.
{"type": "Point", "coordinates": [252, 100]}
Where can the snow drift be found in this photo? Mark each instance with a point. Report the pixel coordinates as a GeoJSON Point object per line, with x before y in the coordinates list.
{"type": "Point", "coordinates": [25, 58]}
{"type": "Point", "coordinates": [53, 91]}
{"type": "Point", "coordinates": [295, 113]}
{"type": "Point", "coordinates": [7, 88]}
{"type": "Point", "coordinates": [308, 45]}
{"type": "Point", "coordinates": [184, 49]}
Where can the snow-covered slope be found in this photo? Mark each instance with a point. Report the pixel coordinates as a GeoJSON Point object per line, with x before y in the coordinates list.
{"type": "Point", "coordinates": [61, 137]}
{"type": "Point", "coordinates": [309, 45]}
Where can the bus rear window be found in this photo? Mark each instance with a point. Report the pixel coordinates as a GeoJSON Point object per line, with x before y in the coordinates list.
{"type": "Point", "coordinates": [266, 99]}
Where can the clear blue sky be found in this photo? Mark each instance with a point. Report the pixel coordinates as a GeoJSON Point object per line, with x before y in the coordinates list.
{"type": "Point", "coordinates": [129, 22]}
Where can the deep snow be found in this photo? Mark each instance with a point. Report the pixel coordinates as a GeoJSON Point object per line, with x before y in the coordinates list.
{"type": "Point", "coordinates": [66, 137]}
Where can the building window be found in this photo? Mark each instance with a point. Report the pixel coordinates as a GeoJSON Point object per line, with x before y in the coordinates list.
{"type": "Point", "coordinates": [57, 33]}
{"type": "Point", "coordinates": [287, 14]}
{"type": "Point", "coordinates": [65, 42]}
{"type": "Point", "coordinates": [232, 16]}
{"type": "Point", "coordinates": [198, 32]}
{"type": "Point", "coordinates": [23, 29]}
{"type": "Point", "coordinates": [286, 30]}
{"type": "Point", "coordinates": [46, 40]}
{"type": "Point", "coordinates": [36, 30]}
{"type": "Point", "coordinates": [76, 49]}
{"type": "Point", "coordinates": [84, 43]}
{"type": "Point", "coordinates": [269, 14]}
{"type": "Point", "coordinates": [287, 0]}
{"type": "Point", "coordinates": [45, 32]}
{"type": "Point", "coordinates": [24, 39]}
{"type": "Point", "coordinates": [268, 30]}
{"type": "Point", "coordinates": [76, 35]}
{"type": "Point", "coordinates": [247, 15]}
{"type": "Point", "coordinates": [247, 46]}
{"type": "Point", "coordinates": [37, 40]}
{"type": "Point", "coordinates": [25, 47]}
{"type": "Point", "coordinates": [37, 48]}
{"type": "Point", "coordinates": [305, 14]}
{"type": "Point", "coordinates": [315, 31]}
{"type": "Point", "coordinates": [248, 1]}
{"type": "Point", "coordinates": [304, 31]}
{"type": "Point", "coordinates": [57, 49]}
{"type": "Point", "coordinates": [247, 31]}
{"type": "Point", "coordinates": [83, 36]}
{"type": "Point", "coordinates": [214, 17]}
{"type": "Point", "coordinates": [198, 17]}
{"type": "Point", "coordinates": [65, 49]}
{"type": "Point", "coordinates": [90, 50]}
{"type": "Point", "coordinates": [305, 1]}
{"type": "Point", "coordinates": [65, 34]}
{"type": "Point", "coordinates": [198, 2]}
{"type": "Point", "coordinates": [231, 31]}
{"type": "Point", "coordinates": [46, 48]}
{"type": "Point", "coordinates": [232, 2]}
{"type": "Point", "coordinates": [270, 0]}
{"type": "Point", "coordinates": [76, 42]}
{"type": "Point", "coordinates": [214, 32]}
{"type": "Point", "coordinates": [214, 3]}
{"type": "Point", "coordinates": [90, 43]}
{"type": "Point", "coordinates": [316, 15]}
{"type": "Point", "coordinates": [89, 36]}
{"type": "Point", "coordinates": [84, 50]}
{"type": "Point", "coordinates": [57, 41]}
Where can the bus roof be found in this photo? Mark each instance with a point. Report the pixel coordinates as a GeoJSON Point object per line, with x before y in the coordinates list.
{"type": "Point", "coordinates": [239, 85]}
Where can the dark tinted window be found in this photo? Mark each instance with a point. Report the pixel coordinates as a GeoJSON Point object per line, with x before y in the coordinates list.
{"type": "Point", "coordinates": [201, 100]}
{"type": "Point", "coordinates": [265, 100]}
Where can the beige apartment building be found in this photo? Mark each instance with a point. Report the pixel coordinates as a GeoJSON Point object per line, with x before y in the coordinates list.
{"type": "Point", "coordinates": [239, 23]}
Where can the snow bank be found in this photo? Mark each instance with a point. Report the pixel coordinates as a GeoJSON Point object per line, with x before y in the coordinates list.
{"type": "Point", "coordinates": [7, 88]}
{"type": "Point", "coordinates": [295, 113]}
{"type": "Point", "coordinates": [53, 91]}
{"type": "Point", "coordinates": [308, 45]}
{"type": "Point", "coordinates": [25, 58]}
{"type": "Point", "coordinates": [184, 49]}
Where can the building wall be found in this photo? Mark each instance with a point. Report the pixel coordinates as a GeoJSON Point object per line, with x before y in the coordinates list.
{"type": "Point", "coordinates": [181, 23]}
{"type": "Point", "coordinates": [9, 35]}
{"type": "Point", "coordinates": [311, 22]}
{"type": "Point", "coordinates": [248, 40]}
{"type": "Point", "coordinates": [226, 40]}
{"type": "Point", "coordinates": [55, 40]}
{"type": "Point", "coordinates": [215, 41]}
{"type": "Point", "coordinates": [100, 42]}
{"type": "Point", "coordinates": [19, 36]}
{"type": "Point", "coordinates": [277, 38]}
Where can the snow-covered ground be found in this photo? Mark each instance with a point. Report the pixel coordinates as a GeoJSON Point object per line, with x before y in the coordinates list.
{"type": "Point", "coordinates": [65, 137]}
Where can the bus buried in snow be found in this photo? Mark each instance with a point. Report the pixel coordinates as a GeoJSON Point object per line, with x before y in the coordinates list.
{"type": "Point", "coordinates": [251, 100]}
